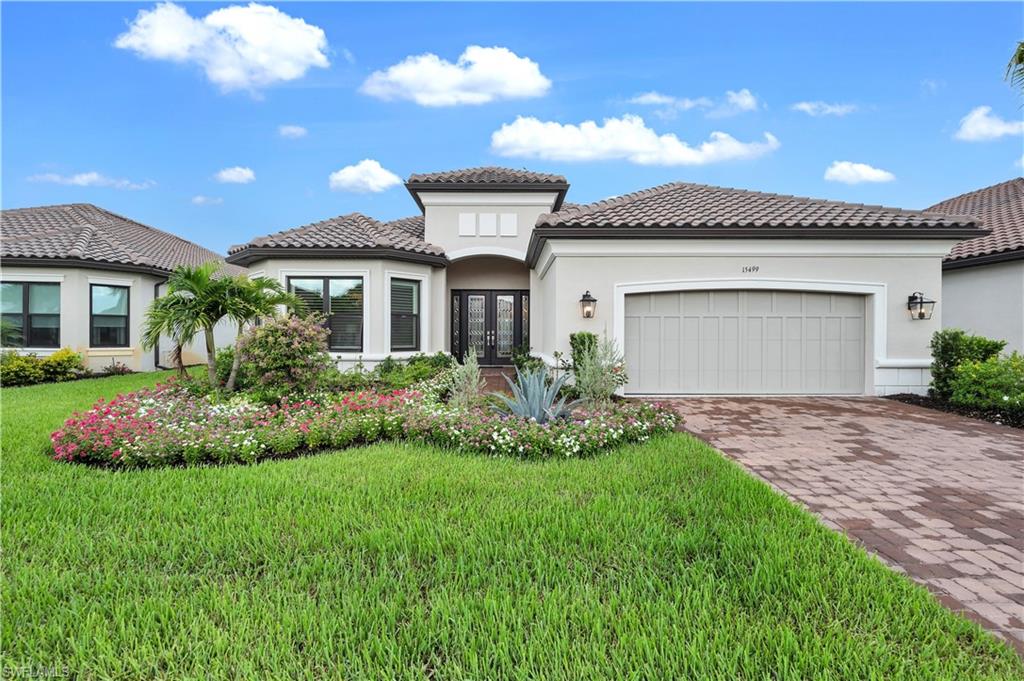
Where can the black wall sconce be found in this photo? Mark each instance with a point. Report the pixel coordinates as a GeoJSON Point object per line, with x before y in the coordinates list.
{"type": "Point", "coordinates": [919, 306]}
{"type": "Point", "coordinates": [588, 306]}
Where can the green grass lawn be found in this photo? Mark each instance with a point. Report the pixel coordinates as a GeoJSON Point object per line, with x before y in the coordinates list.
{"type": "Point", "coordinates": [662, 560]}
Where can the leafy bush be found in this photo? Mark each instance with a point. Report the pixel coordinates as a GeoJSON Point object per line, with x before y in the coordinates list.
{"type": "Point", "coordinates": [18, 369]}
{"type": "Point", "coordinates": [225, 357]}
{"type": "Point", "coordinates": [116, 368]}
{"type": "Point", "coordinates": [63, 365]}
{"type": "Point", "coordinates": [288, 355]}
{"type": "Point", "coordinates": [600, 371]}
{"type": "Point", "coordinates": [950, 349]}
{"type": "Point", "coordinates": [169, 425]}
{"type": "Point", "coordinates": [996, 383]}
{"type": "Point", "coordinates": [580, 344]}
{"type": "Point", "coordinates": [467, 383]}
{"type": "Point", "coordinates": [393, 374]}
{"type": "Point", "coordinates": [534, 398]}
{"type": "Point", "coordinates": [524, 361]}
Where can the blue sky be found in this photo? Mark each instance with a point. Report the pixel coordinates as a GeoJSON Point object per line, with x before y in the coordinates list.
{"type": "Point", "coordinates": [141, 117]}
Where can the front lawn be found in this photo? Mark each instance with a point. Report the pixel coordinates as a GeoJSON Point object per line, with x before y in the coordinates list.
{"type": "Point", "coordinates": [661, 560]}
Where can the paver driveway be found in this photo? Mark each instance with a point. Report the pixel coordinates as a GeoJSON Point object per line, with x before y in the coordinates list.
{"type": "Point", "coordinates": [938, 496]}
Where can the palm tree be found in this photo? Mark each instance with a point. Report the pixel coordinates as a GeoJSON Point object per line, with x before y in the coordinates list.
{"type": "Point", "coordinates": [250, 300]}
{"type": "Point", "coordinates": [196, 300]}
{"type": "Point", "coordinates": [1015, 69]}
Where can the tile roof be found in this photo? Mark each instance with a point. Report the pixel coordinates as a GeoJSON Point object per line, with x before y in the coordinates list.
{"type": "Point", "coordinates": [84, 232]}
{"type": "Point", "coordinates": [685, 205]}
{"type": "Point", "coordinates": [1001, 209]}
{"type": "Point", "coordinates": [352, 231]}
{"type": "Point", "coordinates": [486, 175]}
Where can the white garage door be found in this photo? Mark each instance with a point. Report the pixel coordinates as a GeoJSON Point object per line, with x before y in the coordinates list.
{"type": "Point", "coordinates": [744, 342]}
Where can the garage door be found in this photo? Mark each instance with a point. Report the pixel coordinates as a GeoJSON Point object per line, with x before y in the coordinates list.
{"type": "Point", "coordinates": [744, 342]}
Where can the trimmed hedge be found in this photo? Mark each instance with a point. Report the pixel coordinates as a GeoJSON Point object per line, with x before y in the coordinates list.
{"type": "Point", "coordinates": [950, 349]}
{"type": "Point", "coordinates": [18, 369]}
{"type": "Point", "coordinates": [996, 383]}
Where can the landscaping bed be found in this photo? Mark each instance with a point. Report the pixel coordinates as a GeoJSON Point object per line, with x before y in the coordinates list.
{"type": "Point", "coordinates": [1001, 417]}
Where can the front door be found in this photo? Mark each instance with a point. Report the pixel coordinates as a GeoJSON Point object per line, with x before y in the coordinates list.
{"type": "Point", "coordinates": [492, 323]}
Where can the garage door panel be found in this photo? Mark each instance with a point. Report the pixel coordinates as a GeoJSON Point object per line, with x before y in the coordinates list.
{"type": "Point", "coordinates": [753, 342]}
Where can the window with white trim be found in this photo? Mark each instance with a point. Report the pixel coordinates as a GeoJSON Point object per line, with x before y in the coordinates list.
{"type": "Point", "coordinates": [108, 316]}
{"type": "Point", "coordinates": [405, 315]}
{"type": "Point", "coordinates": [31, 315]}
{"type": "Point", "coordinates": [340, 299]}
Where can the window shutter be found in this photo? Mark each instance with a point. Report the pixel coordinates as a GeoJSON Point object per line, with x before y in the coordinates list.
{"type": "Point", "coordinates": [405, 321]}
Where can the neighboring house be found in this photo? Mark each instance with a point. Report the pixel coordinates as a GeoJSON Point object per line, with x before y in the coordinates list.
{"type": "Point", "coordinates": [706, 290]}
{"type": "Point", "coordinates": [983, 279]}
{"type": "Point", "coordinates": [82, 277]}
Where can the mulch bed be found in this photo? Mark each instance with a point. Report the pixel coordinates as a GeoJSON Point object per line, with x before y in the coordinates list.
{"type": "Point", "coordinates": [1014, 420]}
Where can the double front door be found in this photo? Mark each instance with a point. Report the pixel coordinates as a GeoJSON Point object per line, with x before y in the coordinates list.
{"type": "Point", "coordinates": [491, 323]}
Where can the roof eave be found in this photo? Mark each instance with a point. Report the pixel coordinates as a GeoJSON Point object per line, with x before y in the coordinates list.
{"type": "Point", "coordinates": [251, 254]}
{"type": "Point", "coordinates": [561, 188]}
{"type": "Point", "coordinates": [983, 259]}
{"type": "Point", "coordinates": [87, 264]}
{"type": "Point", "coordinates": [542, 234]}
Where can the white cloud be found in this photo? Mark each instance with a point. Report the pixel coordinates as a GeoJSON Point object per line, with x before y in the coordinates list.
{"type": "Point", "coordinates": [200, 200]}
{"type": "Point", "coordinates": [236, 175]}
{"type": "Point", "coordinates": [980, 126]}
{"type": "Point", "coordinates": [239, 47]}
{"type": "Point", "coordinates": [626, 138]}
{"type": "Point", "coordinates": [732, 103]}
{"type": "Point", "coordinates": [481, 75]}
{"type": "Point", "coordinates": [291, 131]}
{"type": "Point", "coordinates": [820, 108]}
{"type": "Point", "coordinates": [367, 176]}
{"type": "Point", "coordinates": [744, 100]}
{"type": "Point", "coordinates": [682, 103]}
{"type": "Point", "coordinates": [848, 172]}
{"type": "Point", "coordinates": [91, 179]}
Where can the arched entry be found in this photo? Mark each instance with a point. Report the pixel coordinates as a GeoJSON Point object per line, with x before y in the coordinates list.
{"type": "Point", "coordinates": [489, 300]}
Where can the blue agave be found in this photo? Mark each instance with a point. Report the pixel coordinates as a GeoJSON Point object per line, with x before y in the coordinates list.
{"type": "Point", "coordinates": [533, 398]}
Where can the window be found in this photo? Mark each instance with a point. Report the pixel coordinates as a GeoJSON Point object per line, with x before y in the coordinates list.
{"type": "Point", "coordinates": [405, 315]}
{"type": "Point", "coordinates": [108, 316]}
{"type": "Point", "coordinates": [31, 315]}
{"type": "Point", "coordinates": [342, 304]}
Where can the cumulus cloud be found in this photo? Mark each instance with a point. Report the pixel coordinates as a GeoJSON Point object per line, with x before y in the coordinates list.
{"type": "Point", "coordinates": [366, 177]}
{"type": "Point", "coordinates": [91, 179]}
{"type": "Point", "coordinates": [200, 200]}
{"type": "Point", "coordinates": [819, 108]}
{"type": "Point", "coordinates": [980, 125]}
{"type": "Point", "coordinates": [627, 138]}
{"type": "Point", "coordinates": [239, 47]}
{"type": "Point", "coordinates": [236, 175]}
{"type": "Point", "coordinates": [848, 172]}
{"type": "Point", "coordinates": [481, 75]}
{"type": "Point", "coordinates": [291, 131]}
{"type": "Point", "coordinates": [733, 102]}
{"type": "Point", "coordinates": [743, 100]}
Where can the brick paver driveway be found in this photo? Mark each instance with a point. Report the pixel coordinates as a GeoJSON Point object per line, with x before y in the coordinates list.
{"type": "Point", "coordinates": [937, 496]}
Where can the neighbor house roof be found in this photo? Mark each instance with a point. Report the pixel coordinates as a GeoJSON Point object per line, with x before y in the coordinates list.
{"type": "Point", "coordinates": [1001, 210]}
{"type": "Point", "coordinates": [487, 178]}
{"type": "Point", "coordinates": [681, 210]}
{"type": "Point", "coordinates": [351, 235]}
{"type": "Point", "coordinates": [81, 234]}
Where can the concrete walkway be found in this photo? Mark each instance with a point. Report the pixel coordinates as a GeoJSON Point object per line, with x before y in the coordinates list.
{"type": "Point", "coordinates": [935, 495]}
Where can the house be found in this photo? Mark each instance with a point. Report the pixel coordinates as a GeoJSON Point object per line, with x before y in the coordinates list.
{"type": "Point", "coordinates": [82, 277]}
{"type": "Point", "coordinates": [983, 278]}
{"type": "Point", "coordinates": [706, 289]}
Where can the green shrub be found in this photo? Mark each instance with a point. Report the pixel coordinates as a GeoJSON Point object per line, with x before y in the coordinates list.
{"type": "Point", "coordinates": [288, 355]}
{"type": "Point", "coordinates": [996, 383]}
{"type": "Point", "coordinates": [18, 369]}
{"type": "Point", "coordinates": [581, 343]}
{"type": "Point", "coordinates": [467, 383]}
{"type": "Point", "coordinates": [63, 365]}
{"type": "Point", "coordinates": [953, 347]}
{"type": "Point", "coordinates": [600, 371]}
{"type": "Point", "coordinates": [525, 362]}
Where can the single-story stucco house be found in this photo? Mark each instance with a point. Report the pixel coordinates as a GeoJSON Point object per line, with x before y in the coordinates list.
{"type": "Point", "coordinates": [707, 290]}
{"type": "Point", "coordinates": [983, 278]}
{"type": "Point", "coordinates": [79, 276]}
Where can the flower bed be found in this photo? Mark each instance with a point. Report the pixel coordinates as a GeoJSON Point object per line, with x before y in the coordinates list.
{"type": "Point", "coordinates": [170, 425]}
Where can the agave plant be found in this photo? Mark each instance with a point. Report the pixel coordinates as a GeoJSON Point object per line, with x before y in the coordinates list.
{"type": "Point", "coordinates": [532, 397]}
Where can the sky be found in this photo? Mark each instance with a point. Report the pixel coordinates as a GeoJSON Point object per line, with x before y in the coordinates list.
{"type": "Point", "coordinates": [222, 122]}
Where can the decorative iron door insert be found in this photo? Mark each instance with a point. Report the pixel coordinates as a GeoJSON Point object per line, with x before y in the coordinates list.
{"type": "Point", "coordinates": [491, 322]}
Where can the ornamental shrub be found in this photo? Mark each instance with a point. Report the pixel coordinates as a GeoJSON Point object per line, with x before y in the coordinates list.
{"type": "Point", "coordinates": [600, 371]}
{"type": "Point", "coordinates": [581, 343]}
{"type": "Point", "coordinates": [953, 347]}
{"type": "Point", "coordinates": [18, 369]}
{"type": "Point", "coordinates": [288, 355]}
{"type": "Point", "coordinates": [63, 365]}
{"type": "Point", "coordinates": [994, 384]}
{"type": "Point", "coordinates": [467, 383]}
{"type": "Point", "coordinates": [524, 362]}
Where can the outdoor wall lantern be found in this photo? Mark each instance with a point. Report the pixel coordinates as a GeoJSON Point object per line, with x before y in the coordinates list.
{"type": "Point", "coordinates": [588, 306]}
{"type": "Point", "coordinates": [919, 306]}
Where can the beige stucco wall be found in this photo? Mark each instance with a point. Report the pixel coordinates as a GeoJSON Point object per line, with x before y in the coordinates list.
{"type": "Point", "coordinates": [986, 300]}
{"type": "Point", "coordinates": [74, 311]}
{"type": "Point", "coordinates": [885, 271]}
{"type": "Point", "coordinates": [488, 272]}
{"type": "Point", "coordinates": [376, 276]}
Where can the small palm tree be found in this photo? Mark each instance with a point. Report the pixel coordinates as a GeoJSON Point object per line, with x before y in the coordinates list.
{"type": "Point", "coordinates": [250, 300]}
{"type": "Point", "coordinates": [196, 300]}
{"type": "Point", "coordinates": [1015, 69]}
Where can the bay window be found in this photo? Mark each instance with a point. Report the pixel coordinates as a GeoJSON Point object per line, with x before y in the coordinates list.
{"type": "Point", "coordinates": [405, 315]}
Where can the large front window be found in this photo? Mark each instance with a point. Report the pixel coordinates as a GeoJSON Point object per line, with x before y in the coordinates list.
{"type": "Point", "coordinates": [108, 316]}
{"type": "Point", "coordinates": [31, 315]}
{"type": "Point", "coordinates": [405, 315]}
{"type": "Point", "coordinates": [341, 300]}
